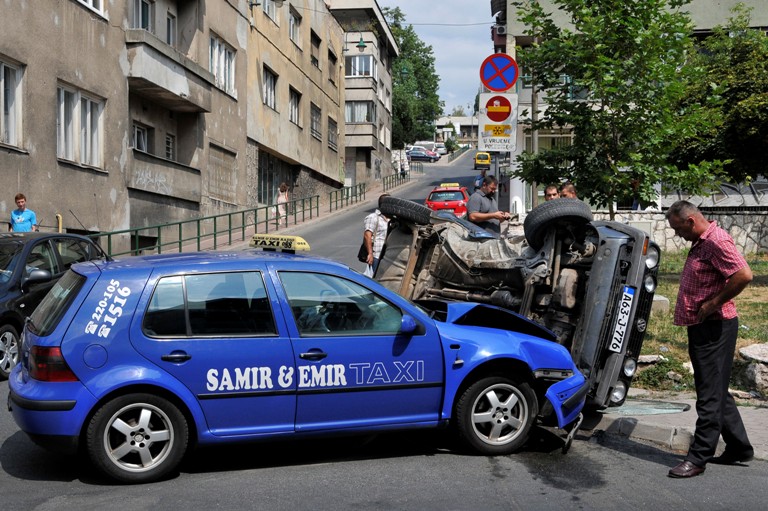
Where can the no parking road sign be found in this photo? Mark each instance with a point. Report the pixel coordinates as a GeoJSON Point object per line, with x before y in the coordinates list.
{"type": "Point", "coordinates": [499, 72]}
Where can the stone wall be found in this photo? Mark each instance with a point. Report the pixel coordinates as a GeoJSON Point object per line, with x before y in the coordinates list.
{"type": "Point", "coordinates": [748, 228]}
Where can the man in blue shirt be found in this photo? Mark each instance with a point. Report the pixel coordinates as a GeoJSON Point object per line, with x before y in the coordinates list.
{"type": "Point", "coordinates": [23, 219]}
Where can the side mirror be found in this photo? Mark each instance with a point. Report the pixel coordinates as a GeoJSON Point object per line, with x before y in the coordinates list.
{"type": "Point", "coordinates": [408, 325]}
{"type": "Point", "coordinates": [36, 277]}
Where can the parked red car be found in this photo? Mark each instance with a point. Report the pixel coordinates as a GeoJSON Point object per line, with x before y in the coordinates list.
{"type": "Point", "coordinates": [449, 196]}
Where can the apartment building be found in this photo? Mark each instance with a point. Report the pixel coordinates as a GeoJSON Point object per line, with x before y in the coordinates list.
{"type": "Point", "coordinates": [368, 51]}
{"type": "Point", "coordinates": [133, 113]}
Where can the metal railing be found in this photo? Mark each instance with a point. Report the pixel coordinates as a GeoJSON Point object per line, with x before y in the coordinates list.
{"type": "Point", "coordinates": [457, 153]}
{"type": "Point", "coordinates": [395, 180]}
{"type": "Point", "coordinates": [338, 199]}
{"type": "Point", "coordinates": [208, 232]}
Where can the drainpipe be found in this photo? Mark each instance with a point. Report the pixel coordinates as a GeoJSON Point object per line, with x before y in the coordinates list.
{"type": "Point", "coordinates": [59, 222]}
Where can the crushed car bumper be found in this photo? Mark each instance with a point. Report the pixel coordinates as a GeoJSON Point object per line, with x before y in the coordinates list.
{"type": "Point", "coordinates": [567, 398]}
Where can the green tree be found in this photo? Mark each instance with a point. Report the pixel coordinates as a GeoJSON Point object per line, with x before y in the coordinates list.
{"type": "Point", "coordinates": [415, 102]}
{"type": "Point", "coordinates": [728, 86]}
{"type": "Point", "coordinates": [611, 76]}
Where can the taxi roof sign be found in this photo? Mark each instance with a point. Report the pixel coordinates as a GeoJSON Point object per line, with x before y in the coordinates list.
{"type": "Point", "coordinates": [274, 242]}
{"type": "Point", "coordinates": [449, 185]}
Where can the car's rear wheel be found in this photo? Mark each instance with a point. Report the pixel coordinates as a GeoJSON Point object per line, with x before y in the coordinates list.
{"type": "Point", "coordinates": [137, 438]}
{"type": "Point", "coordinates": [9, 350]}
{"type": "Point", "coordinates": [494, 416]}
{"type": "Point", "coordinates": [554, 213]}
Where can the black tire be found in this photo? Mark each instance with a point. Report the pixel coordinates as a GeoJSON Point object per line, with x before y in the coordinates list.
{"type": "Point", "coordinates": [395, 207]}
{"type": "Point", "coordinates": [558, 212]}
{"type": "Point", "coordinates": [494, 415]}
{"type": "Point", "coordinates": [9, 350]}
{"type": "Point", "coordinates": [137, 438]}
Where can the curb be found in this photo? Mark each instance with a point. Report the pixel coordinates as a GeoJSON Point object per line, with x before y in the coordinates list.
{"type": "Point", "coordinates": [669, 437]}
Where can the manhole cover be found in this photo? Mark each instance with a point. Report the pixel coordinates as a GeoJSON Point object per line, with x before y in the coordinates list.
{"type": "Point", "coordinates": [640, 407]}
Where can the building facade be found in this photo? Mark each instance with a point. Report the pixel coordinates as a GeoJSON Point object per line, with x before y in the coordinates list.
{"type": "Point", "coordinates": [130, 113]}
{"type": "Point", "coordinates": [369, 49]}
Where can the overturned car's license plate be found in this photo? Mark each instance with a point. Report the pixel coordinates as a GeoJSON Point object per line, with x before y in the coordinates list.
{"type": "Point", "coordinates": [622, 319]}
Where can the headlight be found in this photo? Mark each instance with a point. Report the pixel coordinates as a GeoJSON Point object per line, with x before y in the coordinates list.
{"type": "Point", "coordinates": [619, 392]}
{"type": "Point", "coordinates": [630, 366]}
{"type": "Point", "coordinates": [652, 257]}
{"type": "Point", "coordinates": [649, 283]}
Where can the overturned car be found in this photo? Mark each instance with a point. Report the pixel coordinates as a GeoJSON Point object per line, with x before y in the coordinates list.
{"type": "Point", "coordinates": [590, 282]}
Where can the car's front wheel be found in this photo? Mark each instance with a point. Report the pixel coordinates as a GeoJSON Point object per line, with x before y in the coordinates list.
{"type": "Point", "coordinates": [494, 415]}
{"type": "Point", "coordinates": [137, 438]}
{"type": "Point", "coordinates": [9, 350]}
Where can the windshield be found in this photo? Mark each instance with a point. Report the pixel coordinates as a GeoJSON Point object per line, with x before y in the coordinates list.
{"type": "Point", "coordinates": [48, 314]}
{"type": "Point", "coordinates": [446, 196]}
{"type": "Point", "coordinates": [9, 253]}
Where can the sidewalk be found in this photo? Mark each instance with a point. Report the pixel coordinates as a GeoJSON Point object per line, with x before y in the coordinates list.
{"type": "Point", "coordinates": [669, 420]}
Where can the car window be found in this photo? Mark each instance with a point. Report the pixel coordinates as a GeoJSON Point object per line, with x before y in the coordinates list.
{"type": "Point", "coordinates": [8, 260]}
{"type": "Point", "coordinates": [217, 304]}
{"type": "Point", "coordinates": [327, 304]}
{"type": "Point", "coordinates": [50, 311]}
{"type": "Point", "coordinates": [41, 258]}
{"type": "Point", "coordinates": [72, 251]}
{"type": "Point", "coordinates": [446, 196]}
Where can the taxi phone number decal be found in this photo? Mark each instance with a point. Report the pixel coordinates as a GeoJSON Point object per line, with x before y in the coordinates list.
{"type": "Point", "coordinates": [109, 309]}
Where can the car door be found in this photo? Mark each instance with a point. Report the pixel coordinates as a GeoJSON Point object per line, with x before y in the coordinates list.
{"type": "Point", "coordinates": [353, 368]}
{"type": "Point", "coordinates": [218, 334]}
{"type": "Point", "coordinates": [40, 256]}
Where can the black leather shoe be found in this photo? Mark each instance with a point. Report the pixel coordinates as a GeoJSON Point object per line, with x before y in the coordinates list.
{"type": "Point", "coordinates": [733, 458]}
{"type": "Point", "coordinates": [686, 469]}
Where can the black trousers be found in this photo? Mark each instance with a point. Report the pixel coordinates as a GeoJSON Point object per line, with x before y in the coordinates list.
{"type": "Point", "coordinates": [711, 346]}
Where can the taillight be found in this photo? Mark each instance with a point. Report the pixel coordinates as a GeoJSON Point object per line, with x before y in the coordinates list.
{"type": "Point", "coordinates": [48, 364]}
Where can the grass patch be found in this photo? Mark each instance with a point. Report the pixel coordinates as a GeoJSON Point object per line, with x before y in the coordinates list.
{"type": "Point", "coordinates": [664, 338]}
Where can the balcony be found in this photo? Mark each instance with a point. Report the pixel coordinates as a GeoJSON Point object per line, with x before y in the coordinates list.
{"type": "Point", "coordinates": [361, 135]}
{"type": "Point", "coordinates": [164, 177]}
{"type": "Point", "coordinates": [165, 76]}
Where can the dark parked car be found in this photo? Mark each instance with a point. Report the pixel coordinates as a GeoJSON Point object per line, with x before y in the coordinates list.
{"type": "Point", "coordinates": [419, 155]}
{"type": "Point", "coordinates": [30, 263]}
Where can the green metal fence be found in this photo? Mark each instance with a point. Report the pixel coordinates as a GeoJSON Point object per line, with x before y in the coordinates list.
{"type": "Point", "coordinates": [338, 199]}
{"type": "Point", "coordinates": [208, 232]}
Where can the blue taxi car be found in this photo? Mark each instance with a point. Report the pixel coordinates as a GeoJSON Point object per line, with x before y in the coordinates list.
{"type": "Point", "coordinates": [134, 361]}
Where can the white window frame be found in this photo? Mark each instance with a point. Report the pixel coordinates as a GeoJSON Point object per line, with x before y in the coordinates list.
{"type": "Point", "coordinates": [222, 64]}
{"type": "Point", "coordinates": [171, 27]}
{"type": "Point", "coordinates": [170, 147]}
{"type": "Point", "coordinates": [294, 104]}
{"type": "Point", "coordinates": [94, 5]}
{"type": "Point", "coordinates": [10, 104]}
{"type": "Point", "coordinates": [140, 138]}
{"type": "Point", "coordinates": [333, 134]}
{"type": "Point", "coordinates": [79, 126]}
{"type": "Point", "coordinates": [316, 119]}
{"type": "Point", "coordinates": [270, 9]}
{"type": "Point", "coordinates": [360, 112]}
{"type": "Point", "coordinates": [270, 88]}
{"type": "Point", "coordinates": [361, 66]}
{"type": "Point", "coordinates": [139, 7]}
{"type": "Point", "coordinates": [294, 27]}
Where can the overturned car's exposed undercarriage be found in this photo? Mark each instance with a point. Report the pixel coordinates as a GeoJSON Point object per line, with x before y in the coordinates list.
{"type": "Point", "coordinates": [590, 283]}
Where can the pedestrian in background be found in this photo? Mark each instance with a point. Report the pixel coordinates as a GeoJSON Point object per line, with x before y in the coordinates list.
{"type": "Point", "coordinates": [568, 191]}
{"type": "Point", "coordinates": [376, 226]}
{"type": "Point", "coordinates": [550, 192]}
{"type": "Point", "coordinates": [715, 272]}
{"type": "Point", "coordinates": [22, 218]}
{"type": "Point", "coordinates": [281, 200]}
{"type": "Point", "coordinates": [482, 208]}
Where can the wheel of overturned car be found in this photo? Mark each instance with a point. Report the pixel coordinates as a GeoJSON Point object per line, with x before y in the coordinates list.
{"type": "Point", "coordinates": [9, 350]}
{"type": "Point", "coordinates": [395, 207]}
{"type": "Point", "coordinates": [137, 438]}
{"type": "Point", "coordinates": [559, 212]}
{"type": "Point", "coordinates": [494, 415]}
